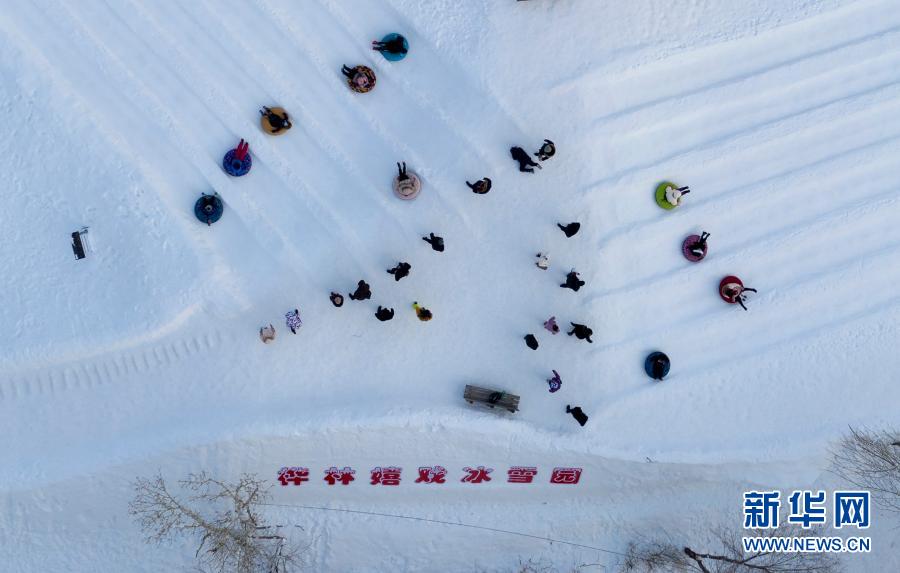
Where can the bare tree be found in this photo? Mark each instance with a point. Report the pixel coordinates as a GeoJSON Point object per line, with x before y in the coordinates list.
{"type": "Point", "coordinates": [225, 518]}
{"type": "Point", "coordinates": [728, 555]}
{"type": "Point", "coordinates": [870, 460]}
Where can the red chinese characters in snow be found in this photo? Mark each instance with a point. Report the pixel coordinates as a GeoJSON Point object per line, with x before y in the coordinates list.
{"type": "Point", "coordinates": [386, 476]}
{"type": "Point", "coordinates": [476, 475]}
{"type": "Point", "coordinates": [293, 475]}
{"type": "Point", "coordinates": [334, 475]}
{"type": "Point", "coordinates": [521, 474]}
{"type": "Point", "coordinates": [431, 474]}
{"type": "Point", "coordinates": [565, 475]}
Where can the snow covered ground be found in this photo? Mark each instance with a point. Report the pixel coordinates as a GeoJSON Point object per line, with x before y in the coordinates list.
{"type": "Point", "coordinates": [781, 116]}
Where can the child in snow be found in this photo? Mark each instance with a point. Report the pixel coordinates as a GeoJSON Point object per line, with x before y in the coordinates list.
{"type": "Point", "coordinates": [526, 165]}
{"type": "Point", "coordinates": [337, 299]}
{"type": "Point", "coordinates": [267, 333]}
{"type": "Point", "coordinates": [551, 325]}
{"type": "Point", "coordinates": [674, 195]}
{"type": "Point", "coordinates": [531, 342]}
{"type": "Point", "coordinates": [392, 46]}
{"type": "Point", "coordinates": [400, 271]}
{"type": "Point", "coordinates": [578, 414]}
{"type": "Point", "coordinates": [543, 261]}
{"type": "Point", "coordinates": [362, 291]}
{"type": "Point", "coordinates": [437, 243]}
{"type": "Point", "coordinates": [555, 382]}
{"type": "Point", "coordinates": [480, 187]}
{"type": "Point", "coordinates": [581, 332]}
{"type": "Point", "coordinates": [570, 229]}
{"type": "Point", "coordinates": [423, 313]}
{"type": "Point", "coordinates": [292, 319]}
{"type": "Point", "coordinates": [384, 314]}
{"type": "Point", "coordinates": [278, 122]}
{"type": "Point", "coordinates": [572, 281]}
{"type": "Point", "coordinates": [546, 151]}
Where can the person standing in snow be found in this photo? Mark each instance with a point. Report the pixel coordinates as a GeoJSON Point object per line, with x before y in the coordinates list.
{"type": "Point", "coordinates": [570, 230]}
{"type": "Point", "coordinates": [581, 332]}
{"type": "Point", "coordinates": [555, 382]}
{"type": "Point", "coordinates": [362, 291]}
{"type": "Point", "coordinates": [384, 314]}
{"type": "Point", "coordinates": [543, 261]}
{"type": "Point", "coordinates": [572, 281]}
{"type": "Point", "coordinates": [437, 243]}
{"type": "Point", "coordinates": [267, 333]}
{"type": "Point", "coordinates": [337, 299]}
{"type": "Point", "coordinates": [578, 414]}
{"type": "Point", "coordinates": [400, 271]}
{"type": "Point", "coordinates": [526, 165]}
{"type": "Point", "coordinates": [551, 325]}
{"type": "Point", "coordinates": [292, 319]}
{"type": "Point", "coordinates": [480, 187]}
{"type": "Point", "coordinates": [546, 151]}
{"type": "Point", "coordinates": [422, 313]}
{"type": "Point", "coordinates": [531, 342]}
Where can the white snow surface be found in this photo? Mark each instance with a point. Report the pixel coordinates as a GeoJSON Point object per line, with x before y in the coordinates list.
{"type": "Point", "coordinates": [783, 117]}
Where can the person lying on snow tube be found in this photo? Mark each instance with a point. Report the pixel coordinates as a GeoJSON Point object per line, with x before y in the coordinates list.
{"type": "Point", "coordinates": [732, 290]}
{"type": "Point", "coordinates": [361, 79]}
{"type": "Point", "coordinates": [407, 184]}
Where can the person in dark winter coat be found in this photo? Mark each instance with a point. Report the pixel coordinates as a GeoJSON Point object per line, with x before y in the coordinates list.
{"type": "Point", "coordinates": [526, 164]}
{"type": "Point", "coordinates": [531, 342]}
{"type": "Point", "coordinates": [384, 314]}
{"type": "Point", "coordinates": [578, 414]}
{"type": "Point", "coordinates": [363, 292]}
{"type": "Point", "coordinates": [278, 122]}
{"type": "Point", "coordinates": [437, 243]}
{"type": "Point", "coordinates": [581, 332]}
{"type": "Point", "coordinates": [393, 46]}
{"type": "Point", "coordinates": [337, 299]}
{"type": "Point", "coordinates": [572, 281]}
{"type": "Point", "coordinates": [400, 271]}
{"type": "Point", "coordinates": [570, 230]}
{"type": "Point", "coordinates": [546, 151]}
{"type": "Point", "coordinates": [555, 382]}
{"type": "Point", "coordinates": [422, 313]}
{"type": "Point", "coordinates": [480, 187]}
{"type": "Point", "coordinates": [292, 319]}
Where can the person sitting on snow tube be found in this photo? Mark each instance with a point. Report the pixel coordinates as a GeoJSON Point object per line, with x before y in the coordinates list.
{"type": "Point", "coordinates": [674, 195]}
{"type": "Point", "coordinates": [275, 121]}
{"type": "Point", "coordinates": [361, 79]}
{"type": "Point", "coordinates": [406, 185]}
{"type": "Point", "coordinates": [732, 291]}
{"type": "Point", "coordinates": [657, 365]}
{"type": "Point", "coordinates": [395, 45]}
{"type": "Point", "coordinates": [546, 151]}
{"type": "Point", "coordinates": [422, 313]}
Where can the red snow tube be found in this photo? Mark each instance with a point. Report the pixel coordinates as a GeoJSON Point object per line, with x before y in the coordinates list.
{"type": "Point", "coordinates": [730, 289]}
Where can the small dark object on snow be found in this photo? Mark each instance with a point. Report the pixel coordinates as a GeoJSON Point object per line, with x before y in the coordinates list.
{"type": "Point", "coordinates": [581, 332]}
{"type": "Point", "coordinates": [337, 299]}
{"type": "Point", "coordinates": [570, 230]}
{"type": "Point", "coordinates": [572, 281]}
{"type": "Point", "coordinates": [526, 164]}
{"type": "Point", "coordinates": [491, 398]}
{"type": "Point", "coordinates": [480, 187]}
{"type": "Point", "coordinates": [79, 242]}
{"type": "Point", "coordinates": [384, 314]}
{"type": "Point", "coordinates": [531, 342]}
{"type": "Point", "coordinates": [578, 414]}
{"type": "Point", "coordinates": [362, 292]}
{"type": "Point", "coordinates": [437, 243]}
{"type": "Point", "coordinates": [546, 151]}
{"type": "Point", "coordinates": [400, 271]}
{"type": "Point", "coordinates": [657, 365]}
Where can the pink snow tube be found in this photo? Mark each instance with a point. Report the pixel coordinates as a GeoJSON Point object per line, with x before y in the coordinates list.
{"type": "Point", "coordinates": [407, 189]}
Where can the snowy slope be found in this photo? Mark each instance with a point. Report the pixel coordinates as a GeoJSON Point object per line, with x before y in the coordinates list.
{"type": "Point", "coordinates": [782, 117]}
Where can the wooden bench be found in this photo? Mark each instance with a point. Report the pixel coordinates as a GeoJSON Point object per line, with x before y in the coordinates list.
{"type": "Point", "coordinates": [491, 398]}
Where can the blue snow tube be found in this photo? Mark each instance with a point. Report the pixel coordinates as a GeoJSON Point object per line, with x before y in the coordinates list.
{"type": "Point", "coordinates": [391, 56]}
{"type": "Point", "coordinates": [657, 365]}
{"type": "Point", "coordinates": [234, 166]}
{"type": "Point", "coordinates": [209, 208]}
